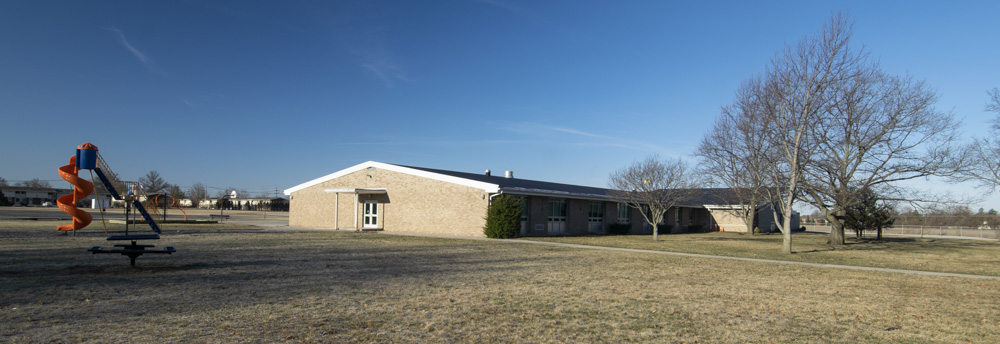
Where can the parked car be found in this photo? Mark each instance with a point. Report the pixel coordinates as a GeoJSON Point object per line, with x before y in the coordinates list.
{"type": "Point", "coordinates": [48, 204]}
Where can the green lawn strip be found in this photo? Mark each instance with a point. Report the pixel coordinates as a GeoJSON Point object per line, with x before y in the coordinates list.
{"type": "Point", "coordinates": [976, 257]}
{"type": "Point", "coordinates": [362, 287]}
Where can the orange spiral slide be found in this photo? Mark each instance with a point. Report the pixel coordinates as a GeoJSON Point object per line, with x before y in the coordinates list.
{"type": "Point", "coordinates": [81, 188]}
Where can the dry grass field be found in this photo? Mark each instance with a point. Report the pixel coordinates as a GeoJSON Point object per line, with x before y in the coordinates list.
{"type": "Point", "coordinates": [238, 283]}
{"type": "Point", "coordinates": [976, 257]}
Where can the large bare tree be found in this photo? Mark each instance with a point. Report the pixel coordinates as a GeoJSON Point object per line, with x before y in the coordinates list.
{"type": "Point", "coordinates": [735, 155]}
{"type": "Point", "coordinates": [652, 184]}
{"type": "Point", "coordinates": [835, 123]}
{"type": "Point", "coordinates": [872, 131]}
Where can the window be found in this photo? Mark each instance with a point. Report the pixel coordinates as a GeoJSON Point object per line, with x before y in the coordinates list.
{"type": "Point", "coordinates": [623, 213]}
{"type": "Point", "coordinates": [557, 216]}
{"type": "Point", "coordinates": [596, 210]}
{"type": "Point", "coordinates": [557, 208]}
{"type": "Point", "coordinates": [595, 217]}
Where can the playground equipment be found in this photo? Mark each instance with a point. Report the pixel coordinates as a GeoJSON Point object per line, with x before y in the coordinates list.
{"type": "Point", "coordinates": [167, 201]}
{"type": "Point", "coordinates": [81, 188]}
{"type": "Point", "coordinates": [87, 158]}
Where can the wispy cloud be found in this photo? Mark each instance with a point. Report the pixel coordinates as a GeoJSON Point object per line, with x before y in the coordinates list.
{"type": "Point", "coordinates": [576, 132]}
{"type": "Point", "coordinates": [381, 63]}
{"type": "Point", "coordinates": [582, 138]}
{"type": "Point", "coordinates": [145, 59]}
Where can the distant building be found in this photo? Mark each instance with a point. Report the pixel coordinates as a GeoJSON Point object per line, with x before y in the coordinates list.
{"type": "Point", "coordinates": [248, 203]}
{"type": "Point", "coordinates": [380, 196]}
{"type": "Point", "coordinates": [30, 196]}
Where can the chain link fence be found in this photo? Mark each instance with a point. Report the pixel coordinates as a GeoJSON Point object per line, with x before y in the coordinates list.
{"type": "Point", "coordinates": [951, 231]}
{"type": "Point", "coordinates": [923, 231]}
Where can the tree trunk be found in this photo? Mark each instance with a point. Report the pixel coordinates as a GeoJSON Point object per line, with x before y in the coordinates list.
{"type": "Point", "coordinates": [655, 222]}
{"type": "Point", "coordinates": [785, 228]}
{"type": "Point", "coordinates": [836, 233]}
{"type": "Point", "coordinates": [879, 235]}
{"type": "Point", "coordinates": [836, 227]}
{"type": "Point", "coordinates": [750, 219]}
{"type": "Point", "coordinates": [787, 242]}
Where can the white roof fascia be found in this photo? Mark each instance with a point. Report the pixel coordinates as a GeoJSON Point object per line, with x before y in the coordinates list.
{"type": "Point", "coordinates": [486, 187]}
{"type": "Point", "coordinates": [723, 206]}
{"type": "Point", "coordinates": [339, 190]}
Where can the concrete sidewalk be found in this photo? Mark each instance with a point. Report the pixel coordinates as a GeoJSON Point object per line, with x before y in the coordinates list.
{"type": "Point", "coordinates": [694, 255]}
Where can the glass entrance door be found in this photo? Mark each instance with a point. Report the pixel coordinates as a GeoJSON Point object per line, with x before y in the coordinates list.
{"type": "Point", "coordinates": [371, 214]}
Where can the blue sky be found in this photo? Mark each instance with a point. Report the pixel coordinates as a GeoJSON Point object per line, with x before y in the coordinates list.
{"type": "Point", "coordinates": [266, 95]}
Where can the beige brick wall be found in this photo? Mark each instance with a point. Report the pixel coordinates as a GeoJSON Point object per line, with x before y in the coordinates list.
{"type": "Point", "coordinates": [729, 220]}
{"type": "Point", "coordinates": [411, 204]}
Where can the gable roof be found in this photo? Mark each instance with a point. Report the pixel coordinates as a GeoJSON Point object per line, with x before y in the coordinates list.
{"type": "Point", "coordinates": [395, 168]}
{"type": "Point", "coordinates": [489, 184]}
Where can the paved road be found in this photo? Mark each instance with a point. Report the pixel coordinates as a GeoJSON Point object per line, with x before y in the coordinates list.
{"type": "Point", "coordinates": [32, 213]}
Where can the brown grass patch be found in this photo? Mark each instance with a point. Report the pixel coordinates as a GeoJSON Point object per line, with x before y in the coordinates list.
{"type": "Point", "coordinates": [259, 286]}
{"type": "Point", "coordinates": [976, 257]}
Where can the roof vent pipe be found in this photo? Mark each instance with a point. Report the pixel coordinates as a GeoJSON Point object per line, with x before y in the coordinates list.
{"type": "Point", "coordinates": [487, 173]}
{"type": "Point", "coordinates": [508, 174]}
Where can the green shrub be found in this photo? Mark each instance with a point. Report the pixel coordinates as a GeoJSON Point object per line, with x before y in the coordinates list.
{"type": "Point", "coordinates": [503, 218]}
{"type": "Point", "coordinates": [696, 229]}
{"type": "Point", "coordinates": [619, 228]}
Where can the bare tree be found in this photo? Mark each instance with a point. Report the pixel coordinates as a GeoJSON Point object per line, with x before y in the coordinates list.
{"type": "Point", "coordinates": [872, 131]}
{"type": "Point", "coordinates": [835, 123]}
{"type": "Point", "coordinates": [653, 184]}
{"type": "Point", "coordinates": [735, 155]}
{"type": "Point", "coordinates": [3, 182]}
{"type": "Point", "coordinates": [994, 106]}
{"type": "Point", "coordinates": [35, 183]}
{"type": "Point", "coordinates": [984, 153]}
{"type": "Point", "coordinates": [197, 193]}
{"type": "Point", "coordinates": [152, 183]}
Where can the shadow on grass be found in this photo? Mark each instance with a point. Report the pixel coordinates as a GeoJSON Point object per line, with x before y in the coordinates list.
{"type": "Point", "coordinates": [252, 271]}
